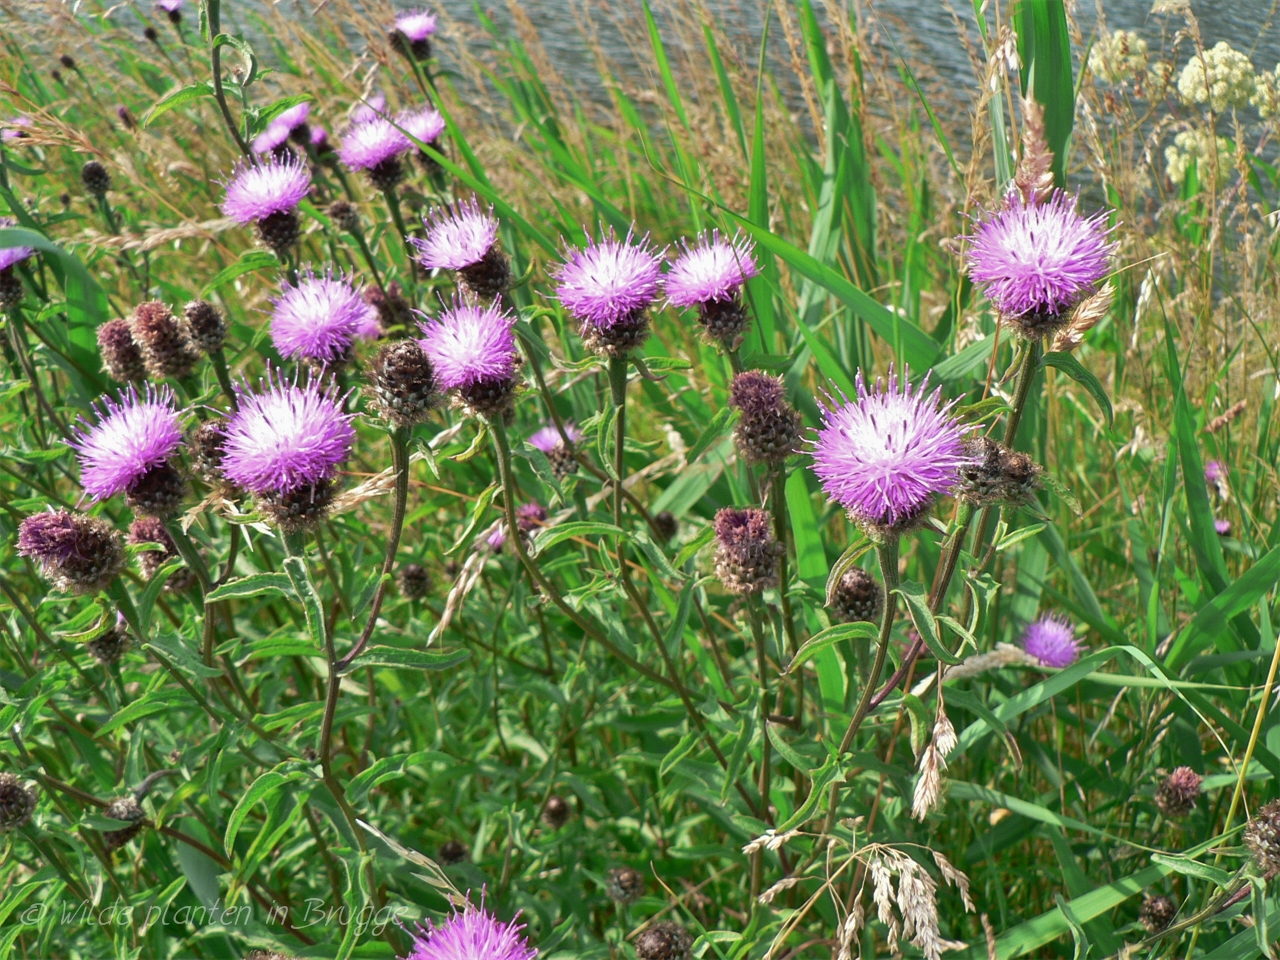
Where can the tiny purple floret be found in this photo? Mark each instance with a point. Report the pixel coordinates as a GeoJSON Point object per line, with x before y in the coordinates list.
{"type": "Point", "coordinates": [321, 318]}
{"type": "Point", "coordinates": [884, 455]}
{"type": "Point", "coordinates": [472, 934]}
{"type": "Point", "coordinates": [285, 437]}
{"type": "Point", "coordinates": [373, 106]}
{"type": "Point", "coordinates": [424, 124]}
{"type": "Point", "coordinates": [469, 344]}
{"type": "Point", "coordinates": [416, 25]}
{"type": "Point", "coordinates": [609, 282]}
{"type": "Point", "coordinates": [1223, 527]}
{"type": "Point", "coordinates": [1214, 472]}
{"type": "Point", "coordinates": [11, 129]}
{"type": "Point", "coordinates": [458, 236]}
{"type": "Point", "coordinates": [11, 255]}
{"type": "Point", "coordinates": [1051, 641]}
{"type": "Point", "coordinates": [713, 268]}
{"type": "Point", "coordinates": [132, 435]}
{"type": "Point", "coordinates": [371, 142]}
{"type": "Point", "coordinates": [548, 439]}
{"type": "Point", "coordinates": [257, 190]}
{"type": "Point", "coordinates": [1039, 258]}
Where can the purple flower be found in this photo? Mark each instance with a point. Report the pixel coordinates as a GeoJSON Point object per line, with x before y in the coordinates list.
{"type": "Point", "coordinates": [292, 117]}
{"type": "Point", "coordinates": [425, 124]}
{"type": "Point", "coordinates": [530, 516]}
{"type": "Point", "coordinates": [497, 538]}
{"type": "Point", "coordinates": [133, 435]}
{"type": "Point", "coordinates": [270, 139]}
{"type": "Point", "coordinates": [458, 236]}
{"type": "Point", "coordinates": [319, 138]}
{"type": "Point", "coordinates": [472, 934]}
{"type": "Point", "coordinates": [609, 283]}
{"type": "Point", "coordinates": [1050, 641]}
{"type": "Point", "coordinates": [548, 439]}
{"type": "Point", "coordinates": [1039, 259]}
{"type": "Point", "coordinates": [368, 143]}
{"type": "Point", "coordinates": [321, 318]}
{"type": "Point", "coordinates": [1223, 527]}
{"type": "Point", "coordinates": [416, 25]}
{"type": "Point", "coordinates": [884, 455]}
{"type": "Point", "coordinates": [76, 552]}
{"type": "Point", "coordinates": [1214, 472]}
{"type": "Point", "coordinates": [374, 105]}
{"type": "Point", "coordinates": [11, 255]}
{"type": "Point", "coordinates": [169, 6]}
{"type": "Point", "coordinates": [712, 269]}
{"type": "Point", "coordinates": [258, 190]}
{"type": "Point", "coordinates": [471, 345]}
{"type": "Point", "coordinates": [11, 129]}
{"type": "Point", "coordinates": [286, 437]}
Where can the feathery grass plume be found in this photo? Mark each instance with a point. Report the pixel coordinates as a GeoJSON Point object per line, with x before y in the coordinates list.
{"type": "Point", "coordinates": [857, 596]}
{"type": "Point", "coordinates": [1086, 316]}
{"type": "Point", "coordinates": [404, 383]}
{"type": "Point", "coordinates": [375, 145]}
{"type": "Point", "coordinates": [472, 932]}
{"type": "Point", "coordinates": [1177, 794]}
{"type": "Point", "coordinates": [709, 275]}
{"type": "Point", "coordinates": [319, 321]}
{"type": "Point", "coordinates": [463, 237]}
{"type": "Point", "coordinates": [413, 581]}
{"type": "Point", "coordinates": [121, 355]}
{"type": "Point", "coordinates": [747, 551]}
{"type": "Point", "coordinates": [1232, 412]}
{"type": "Point", "coordinates": [561, 457]}
{"type": "Point", "coordinates": [888, 453]}
{"type": "Point", "coordinates": [10, 286]}
{"type": "Point", "coordinates": [128, 450]}
{"type": "Point", "coordinates": [266, 193]}
{"type": "Point", "coordinates": [1034, 176]}
{"type": "Point", "coordinates": [284, 445]}
{"type": "Point", "coordinates": [1051, 642]}
{"type": "Point", "coordinates": [607, 287]}
{"type": "Point", "coordinates": [932, 764]}
{"type": "Point", "coordinates": [768, 429]}
{"type": "Point", "coordinates": [411, 35]}
{"type": "Point", "coordinates": [1036, 262]}
{"type": "Point", "coordinates": [75, 552]}
{"type": "Point", "coordinates": [664, 940]}
{"type": "Point", "coordinates": [17, 803]}
{"type": "Point", "coordinates": [164, 340]}
{"type": "Point", "coordinates": [473, 351]}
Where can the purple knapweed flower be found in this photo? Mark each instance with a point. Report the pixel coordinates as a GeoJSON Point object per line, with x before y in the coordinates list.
{"type": "Point", "coordinates": [293, 117]}
{"type": "Point", "coordinates": [285, 437]}
{"type": "Point", "coordinates": [133, 434]}
{"type": "Point", "coordinates": [1037, 261]}
{"type": "Point", "coordinates": [608, 283]}
{"type": "Point", "coordinates": [713, 268]}
{"type": "Point", "coordinates": [375, 146]}
{"type": "Point", "coordinates": [271, 186]}
{"type": "Point", "coordinates": [319, 139]}
{"type": "Point", "coordinates": [530, 516]}
{"type": "Point", "coordinates": [472, 934]}
{"type": "Point", "coordinates": [1223, 527]}
{"type": "Point", "coordinates": [458, 236]}
{"type": "Point", "coordinates": [12, 129]}
{"type": "Point", "coordinates": [271, 139]}
{"type": "Point", "coordinates": [373, 106]}
{"type": "Point", "coordinates": [416, 25]}
{"type": "Point", "coordinates": [1051, 642]}
{"type": "Point", "coordinates": [424, 124]}
{"type": "Point", "coordinates": [169, 6]}
{"type": "Point", "coordinates": [13, 255]}
{"type": "Point", "coordinates": [321, 318]}
{"type": "Point", "coordinates": [887, 453]}
{"type": "Point", "coordinates": [548, 439]}
{"type": "Point", "coordinates": [78, 553]}
{"type": "Point", "coordinates": [473, 351]}
{"type": "Point", "coordinates": [1214, 472]}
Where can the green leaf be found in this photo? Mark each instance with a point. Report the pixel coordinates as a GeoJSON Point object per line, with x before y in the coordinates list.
{"type": "Point", "coordinates": [1044, 50]}
{"type": "Point", "coordinates": [176, 98]}
{"type": "Point", "coordinates": [925, 622]}
{"type": "Point", "coordinates": [711, 433]}
{"type": "Point", "coordinates": [1193, 868]}
{"type": "Point", "coordinates": [548, 537]}
{"type": "Point", "coordinates": [477, 514]}
{"type": "Point", "coordinates": [251, 261]}
{"type": "Point", "coordinates": [261, 789]}
{"type": "Point", "coordinates": [406, 659]}
{"type": "Point", "coordinates": [1073, 368]}
{"type": "Point", "coordinates": [252, 586]}
{"type": "Point", "coordinates": [705, 536]}
{"type": "Point", "coordinates": [1213, 622]}
{"type": "Point", "coordinates": [151, 703]}
{"type": "Point", "coordinates": [677, 753]}
{"type": "Point", "coordinates": [830, 636]}
{"type": "Point", "coordinates": [296, 568]}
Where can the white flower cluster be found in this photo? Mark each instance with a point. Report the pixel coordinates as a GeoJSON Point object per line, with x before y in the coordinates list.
{"type": "Point", "coordinates": [1194, 145]}
{"type": "Point", "coordinates": [1266, 94]}
{"type": "Point", "coordinates": [1222, 78]}
{"type": "Point", "coordinates": [1119, 57]}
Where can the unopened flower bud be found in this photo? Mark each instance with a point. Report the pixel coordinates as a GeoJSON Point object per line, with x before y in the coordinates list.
{"type": "Point", "coordinates": [994, 474]}
{"type": "Point", "coordinates": [205, 449]}
{"type": "Point", "coordinates": [345, 216]}
{"type": "Point", "coordinates": [404, 383]}
{"type": "Point", "coordinates": [1177, 794]}
{"type": "Point", "coordinates": [152, 530]}
{"type": "Point", "coordinates": [1156, 913]}
{"type": "Point", "coordinates": [208, 329]}
{"type": "Point", "coordinates": [452, 851]}
{"type": "Point", "coordinates": [96, 179]}
{"type": "Point", "coordinates": [414, 581]}
{"type": "Point", "coordinates": [121, 356]}
{"type": "Point", "coordinates": [126, 117]}
{"type": "Point", "coordinates": [128, 810]}
{"type": "Point", "coordinates": [1262, 837]}
{"type": "Point", "coordinates": [298, 509]}
{"type": "Point", "coordinates": [769, 427]}
{"type": "Point", "coordinates": [151, 35]}
{"type": "Point", "coordinates": [108, 646]}
{"type": "Point", "coordinates": [557, 812]}
{"type": "Point", "coordinates": [625, 885]}
{"type": "Point", "coordinates": [746, 551]}
{"type": "Point", "coordinates": [76, 552]}
{"type": "Point", "coordinates": [67, 61]}
{"type": "Point", "coordinates": [17, 803]}
{"type": "Point", "coordinates": [666, 940]}
{"type": "Point", "coordinates": [665, 525]}
{"type": "Point", "coordinates": [157, 493]}
{"type": "Point", "coordinates": [857, 596]}
{"type": "Point", "coordinates": [165, 342]}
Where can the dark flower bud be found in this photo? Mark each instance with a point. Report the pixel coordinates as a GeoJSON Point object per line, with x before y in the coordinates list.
{"type": "Point", "coordinates": [152, 530]}
{"type": "Point", "coordinates": [157, 493]}
{"type": "Point", "coordinates": [298, 509]}
{"type": "Point", "coordinates": [387, 174]}
{"type": "Point", "coordinates": [65, 199]}
{"type": "Point", "coordinates": [175, 16]}
{"type": "Point", "coordinates": [530, 517]}
{"type": "Point", "coordinates": [414, 581]}
{"type": "Point", "coordinates": [205, 449]}
{"type": "Point", "coordinates": [746, 551]}
{"type": "Point", "coordinates": [404, 383]}
{"type": "Point", "coordinates": [1262, 837]}
{"type": "Point", "coordinates": [622, 339]}
{"type": "Point", "coordinates": [17, 803]}
{"type": "Point", "coordinates": [151, 35]}
{"type": "Point", "coordinates": [67, 61]}
{"type": "Point", "coordinates": [769, 427]}
{"type": "Point", "coordinates": [128, 810]}
{"type": "Point", "coordinates": [490, 398]}
{"type": "Point", "coordinates": [451, 851]}
{"type": "Point", "coordinates": [121, 356]}
{"type": "Point", "coordinates": [207, 328]}
{"type": "Point", "coordinates": [665, 525]}
{"type": "Point", "coordinates": [857, 596]}
{"type": "Point", "coordinates": [557, 812]}
{"type": "Point", "coordinates": [1021, 477]}
{"type": "Point", "coordinates": [96, 179]}
{"type": "Point", "coordinates": [452, 569]}
{"type": "Point", "coordinates": [279, 231]}
{"type": "Point", "coordinates": [109, 646]}
{"type": "Point", "coordinates": [1156, 913]}
{"type": "Point", "coordinates": [1177, 794]}
{"type": "Point", "coordinates": [625, 885]}
{"type": "Point", "coordinates": [56, 74]}
{"type": "Point", "coordinates": [666, 940]}
{"type": "Point", "coordinates": [11, 292]}
{"type": "Point", "coordinates": [489, 276]}
{"type": "Point", "coordinates": [165, 342]}
{"type": "Point", "coordinates": [76, 552]}
{"type": "Point", "coordinates": [344, 216]}
{"type": "Point", "coordinates": [724, 320]}
{"type": "Point", "coordinates": [126, 118]}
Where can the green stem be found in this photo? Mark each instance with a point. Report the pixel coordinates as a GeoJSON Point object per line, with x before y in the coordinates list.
{"type": "Point", "coordinates": [393, 206]}
{"type": "Point", "coordinates": [618, 391]}
{"type": "Point", "coordinates": [763, 778]}
{"type": "Point", "coordinates": [190, 555]}
{"type": "Point", "coordinates": [18, 337]}
{"type": "Point", "coordinates": [368, 259]}
{"type": "Point", "coordinates": [219, 360]}
{"type": "Point", "coordinates": [213, 14]}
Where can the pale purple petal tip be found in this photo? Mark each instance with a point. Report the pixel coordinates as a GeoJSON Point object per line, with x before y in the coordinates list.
{"type": "Point", "coordinates": [371, 142]}
{"type": "Point", "coordinates": [257, 190]}
{"type": "Point", "coordinates": [321, 318]}
{"type": "Point", "coordinates": [1051, 641]}
{"type": "Point", "coordinates": [133, 434]}
{"type": "Point", "coordinates": [713, 268]}
{"type": "Point", "coordinates": [458, 236]}
{"type": "Point", "coordinates": [424, 124]}
{"type": "Point", "coordinates": [416, 25]}
{"type": "Point", "coordinates": [11, 255]}
{"type": "Point", "coordinates": [548, 438]}
{"type": "Point", "coordinates": [470, 344]}
{"type": "Point", "coordinates": [609, 282]}
{"type": "Point", "coordinates": [472, 934]}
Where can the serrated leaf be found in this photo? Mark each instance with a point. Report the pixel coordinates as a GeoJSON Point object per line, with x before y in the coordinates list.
{"type": "Point", "coordinates": [1073, 368]}
{"type": "Point", "coordinates": [832, 635]}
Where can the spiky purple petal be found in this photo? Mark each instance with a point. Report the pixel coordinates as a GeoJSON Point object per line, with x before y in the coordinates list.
{"type": "Point", "coordinates": [609, 281]}
{"type": "Point", "coordinates": [472, 934]}
{"type": "Point", "coordinates": [11, 255]}
{"type": "Point", "coordinates": [268, 186]}
{"type": "Point", "coordinates": [132, 435]}
{"type": "Point", "coordinates": [371, 142]}
{"type": "Point", "coordinates": [713, 268]}
{"type": "Point", "coordinates": [416, 25]}
{"type": "Point", "coordinates": [321, 318]}
{"type": "Point", "coordinates": [1051, 641]}
{"type": "Point", "coordinates": [458, 236]}
{"type": "Point", "coordinates": [470, 344]}
{"type": "Point", "coordinates": [548, 438]}
{"type": "Point", "coordinates": [424, 124]}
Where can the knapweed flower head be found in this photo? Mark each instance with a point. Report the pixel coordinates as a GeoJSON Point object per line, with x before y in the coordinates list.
{"type": "Point", "coordinates": [371, 143]}
{"type": "Point", "coordinates": [551, 443]}
{"type": "Point", "coordinates": [1177, 794]}
{"type": "Point", "coordinates": [885, 454]}
{"type": "Point", "coordinates": [530, 516]}
{"type": "Point", "coordinates": [374, 105]}
{"type": "Point", "coordinates": [321, 318]}
{"type": "Point", "coordinates": [473, 351]}
{"type": "Point", "coordinates": [13, 255]}
{"type": "Point", "coordinates": [472, 933]}
{"type": "Point", "coordinates": [1222, 527]}
{"type": "Point", "coordinates": [768, 426]}
{"type": "Point", "coordinates": [606, 287]}
{"type": "Point", "coordinates": [459, 235]}
{"type": "Point", "coordinates": [713, 268]}
{"type": "Point", "coordinates": [1222, 77]}
{"type": "Point", "coordinates": [271, 139]}
{"type": "Point", "coordinates": [285, 437]}
{"type": "Point", "coordinates": [17, 802]}
{"type": "Point", "coordinates": [416, 25]}
{"type": "Point", "coordinates": [76, 552]}
{"type": "Point", "coordinates": [1262, 837]}
{"type": "Point", "coordinates": [1037, 261]}
{"type": "Point", "coordinates": [133, 435]}
{"type": "Point", "coordinates": [1051, 641]}
{"type": "Point", "coordinates": [424, 124]}
{"type": "Point", "coordinates": [169, 6]}
{"type": "Point", "coordinates": [269, 186]}
{"type": "Point", "coordinates": [15, 128]}
{"type": "Point", "coordinates": [747, 551]}
{"type": "Point", "coordinates": [1214, 472]}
